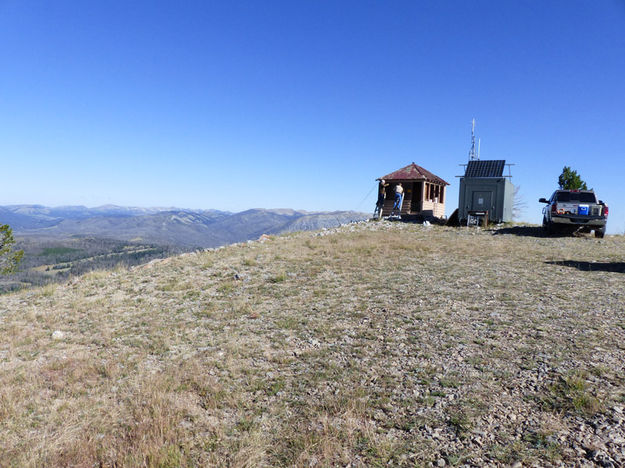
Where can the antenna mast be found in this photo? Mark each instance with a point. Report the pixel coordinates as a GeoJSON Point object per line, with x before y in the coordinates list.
{"type": "Point", "coordinates": [473, 154]}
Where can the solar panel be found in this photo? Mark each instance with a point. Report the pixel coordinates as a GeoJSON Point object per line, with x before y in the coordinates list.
{"type": "Point", "coordinates": [492, 168]}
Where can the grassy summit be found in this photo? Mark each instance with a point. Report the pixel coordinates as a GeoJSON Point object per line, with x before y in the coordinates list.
{"type": "Point", "coordinates": [370, 344]}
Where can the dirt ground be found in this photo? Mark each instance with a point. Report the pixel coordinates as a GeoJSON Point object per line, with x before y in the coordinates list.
{"type": "Point", "coordinates": [366, 345]}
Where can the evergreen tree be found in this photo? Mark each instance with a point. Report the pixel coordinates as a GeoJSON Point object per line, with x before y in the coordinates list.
{"type": "Point", "coordinates": [9, 259]}
{"type": "Point", "coordinates": [570, 180]}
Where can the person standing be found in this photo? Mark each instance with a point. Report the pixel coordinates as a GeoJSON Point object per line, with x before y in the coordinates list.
{"type": "Point", "coordinates": [379, 206]}
{"type": "Point", "coordinates": [399, 198]}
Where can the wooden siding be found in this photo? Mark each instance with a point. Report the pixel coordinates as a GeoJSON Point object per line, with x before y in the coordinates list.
{"type": "Point", "coordinates": [437, 209]}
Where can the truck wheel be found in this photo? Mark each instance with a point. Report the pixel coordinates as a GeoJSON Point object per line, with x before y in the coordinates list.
{"type": "Point", "coordinates": [600, 233]}
{"type": "Point", "coordinates": [548, 227]}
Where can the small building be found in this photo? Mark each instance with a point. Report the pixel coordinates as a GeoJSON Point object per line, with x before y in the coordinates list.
{"type": "Point", "coordinates": [424, 192]}
{"type": "Point", "coordinates": [484, 188]}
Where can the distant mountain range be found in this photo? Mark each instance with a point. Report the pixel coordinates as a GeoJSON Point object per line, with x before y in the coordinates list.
{"type": "Point", "coordinates": [165, 226]}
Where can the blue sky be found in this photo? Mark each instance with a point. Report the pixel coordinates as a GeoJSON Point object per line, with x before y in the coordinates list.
{"type": "Point", "coordinates": [302, 104]}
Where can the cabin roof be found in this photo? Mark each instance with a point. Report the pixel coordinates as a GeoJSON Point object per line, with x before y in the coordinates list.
{"type": "Point", "coordinates": [485, 168]}
{"type": "Point", "coordinates": [414, 172]}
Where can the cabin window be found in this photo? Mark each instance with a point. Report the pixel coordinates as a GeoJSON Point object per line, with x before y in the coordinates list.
{"type": "Point", "coordinates": [434, 192]}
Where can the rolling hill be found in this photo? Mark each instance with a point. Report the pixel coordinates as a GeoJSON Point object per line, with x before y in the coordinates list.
{"type": "Point", "coordinates": [165, 226]}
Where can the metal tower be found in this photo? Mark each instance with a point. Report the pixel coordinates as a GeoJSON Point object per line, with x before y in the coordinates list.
{"type": "Point", "coordinates": [473, 154]}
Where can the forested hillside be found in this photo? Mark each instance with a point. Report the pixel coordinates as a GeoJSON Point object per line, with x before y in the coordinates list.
{"type": "Point", "coordinates": [63, 241]}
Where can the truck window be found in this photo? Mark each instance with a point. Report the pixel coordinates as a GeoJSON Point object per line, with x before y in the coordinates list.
{"type": "Point", "coordinates": [587, 197]}
{"type": "Point", "coordinates": [583, 197]}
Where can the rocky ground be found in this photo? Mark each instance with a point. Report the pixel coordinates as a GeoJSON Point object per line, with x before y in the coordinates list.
{"type": "Point", "coordinates": [366, 345]}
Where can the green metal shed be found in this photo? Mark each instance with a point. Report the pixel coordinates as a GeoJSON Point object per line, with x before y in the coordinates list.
{"type": "Point", "coordinates": [484, 188]}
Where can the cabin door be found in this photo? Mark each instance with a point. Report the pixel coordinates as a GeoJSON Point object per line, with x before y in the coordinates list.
{"type": "Point", "coordinates": [417, 196]}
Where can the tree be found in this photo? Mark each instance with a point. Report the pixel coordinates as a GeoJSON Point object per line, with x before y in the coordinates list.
{"type": "Point", "coordinates": [518, 203]}
{"type": "Point", "coordinates": [570, 180]}
{"type": "Point", "coordinates": [9, 259]}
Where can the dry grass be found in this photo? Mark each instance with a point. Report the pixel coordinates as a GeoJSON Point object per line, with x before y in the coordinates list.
{"type": "Point", "coordinates": [376, 344]}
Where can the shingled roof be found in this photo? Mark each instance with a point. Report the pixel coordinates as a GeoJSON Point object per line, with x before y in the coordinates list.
{"type": "Point", "coordinates": [414, 172]}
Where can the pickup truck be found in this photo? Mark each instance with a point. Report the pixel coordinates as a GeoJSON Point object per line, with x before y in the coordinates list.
{"type": "Point", "coordinates": [574, 210]}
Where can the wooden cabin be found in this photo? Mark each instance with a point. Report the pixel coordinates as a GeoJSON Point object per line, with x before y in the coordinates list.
{"type": "Point", "coordinates": [424, 192]}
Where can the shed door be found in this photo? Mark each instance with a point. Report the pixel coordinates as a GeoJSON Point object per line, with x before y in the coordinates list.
{"type": "Point", "coordinates": [481, 200]}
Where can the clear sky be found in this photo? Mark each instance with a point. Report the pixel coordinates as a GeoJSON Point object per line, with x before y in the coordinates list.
{"type": "Point", "coordinates": [302, 104]}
